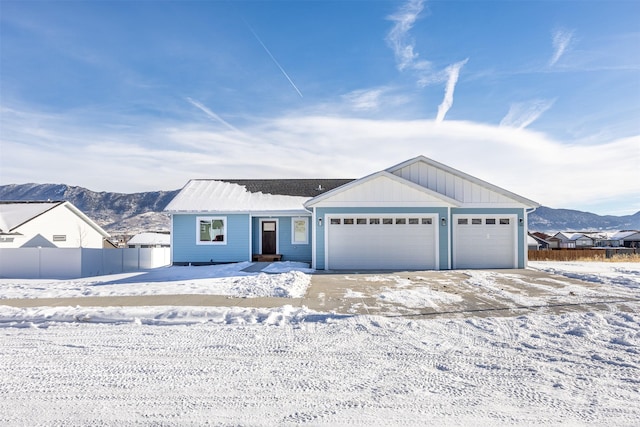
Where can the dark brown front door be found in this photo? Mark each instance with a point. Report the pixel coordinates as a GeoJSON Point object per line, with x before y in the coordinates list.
{"type": "Point", "coordinates": [268, 237]}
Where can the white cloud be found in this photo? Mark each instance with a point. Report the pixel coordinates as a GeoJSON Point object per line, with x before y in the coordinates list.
{"type": "Point", "coordinates": [453, 72]}
{"type": "Point", "coordinates": [561, 40]}
{"type": "Point", "coordinates": [407, 59]}
{"type": "Point", "coordinates": [297, 146]}
{"type": "Point", "coordinates": [364, 99]}
{"type": "Point", "coordinates": [522, 114]}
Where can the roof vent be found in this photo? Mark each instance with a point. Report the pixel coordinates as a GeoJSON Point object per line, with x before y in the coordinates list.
{"type": "Point", "coordinates": [319, 188]}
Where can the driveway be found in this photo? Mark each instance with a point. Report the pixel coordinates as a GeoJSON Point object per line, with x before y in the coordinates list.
{"type": "Point", "coordinates": [458, 293]}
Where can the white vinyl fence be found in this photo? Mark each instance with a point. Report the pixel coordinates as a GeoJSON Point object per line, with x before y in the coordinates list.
{"type": "Point", "coordinates": [72, 263]}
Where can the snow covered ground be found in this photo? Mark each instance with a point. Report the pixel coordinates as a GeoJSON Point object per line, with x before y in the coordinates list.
{"type": "Point", "coordinates": [292, 365]}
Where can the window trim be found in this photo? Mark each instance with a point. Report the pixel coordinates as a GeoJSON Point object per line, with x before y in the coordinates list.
{"type": "Point", "coordinates": [306, 230]}
{"type": "Point", "coordinates": [225, 235]}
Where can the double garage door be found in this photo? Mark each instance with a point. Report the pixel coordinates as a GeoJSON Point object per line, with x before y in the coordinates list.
{"type": "Point", "coordinates": [484, 241]}
{"type": "Point", "coordinates": [380, 242]}
{"type": "Point", "coordinates": [376, 242]}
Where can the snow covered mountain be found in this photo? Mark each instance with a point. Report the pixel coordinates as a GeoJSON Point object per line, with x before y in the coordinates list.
{"type": "Point", "coordinates": [120, 213]}
{"type": "Point", "coordinates": [117, 213]}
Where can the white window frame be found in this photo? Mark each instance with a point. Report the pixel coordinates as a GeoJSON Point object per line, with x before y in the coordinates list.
{"type": "Point", "coordinates": [306, 230]}
{"type": "Point", "coordinates": [211, 219]}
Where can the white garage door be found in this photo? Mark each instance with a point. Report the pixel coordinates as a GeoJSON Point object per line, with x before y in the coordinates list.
{"type": "Point", "coordinates": [484, 241]}
{"type": "Point", "coordinates": [380, 242]}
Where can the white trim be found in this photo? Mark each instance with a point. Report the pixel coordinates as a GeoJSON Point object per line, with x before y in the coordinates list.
{"type": "Point", "coordinates": [435, 218]}
{"type": "Point", "coordinates": [250, 238]}
{"type": "Point", "coordinates": [293, 230]}
{"type": "Point", "coordinates": [171, 235]}
{"type": "Point", "coordinates": [314, 239]}
{"type": "Point", "coordinates": [225, 235]}
{"type": "Point", "coordinates": [277, 233]}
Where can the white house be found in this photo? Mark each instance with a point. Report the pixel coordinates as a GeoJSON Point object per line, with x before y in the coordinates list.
{"type": "Point", "coordinates": [569, 240]}
{"type": "Point", "coordinates": [47, 224]}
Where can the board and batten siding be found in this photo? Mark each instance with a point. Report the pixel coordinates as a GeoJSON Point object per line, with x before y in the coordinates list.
{"type": "Point", "coordinates": [443, 244]}
{"type": "Point", "coordinates": [452, 186]}
{"type": "Point", "coordinates": [289, 251]}
{"type": "Point", "coordinates": [186, 249]}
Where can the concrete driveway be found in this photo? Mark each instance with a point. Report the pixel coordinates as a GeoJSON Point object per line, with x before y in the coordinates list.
{"type": "Point", "coordinates": [458, 293]}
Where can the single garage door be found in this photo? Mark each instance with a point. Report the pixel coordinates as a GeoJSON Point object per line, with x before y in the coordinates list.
{"type": "Point", "coordinates": [381, 242]}
{"type": "Point", "coordinates": [484, 241]}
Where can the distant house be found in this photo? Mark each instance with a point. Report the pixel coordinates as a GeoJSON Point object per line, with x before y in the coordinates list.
{"type": "Point", "coordinates": [570, 240]}
{"type": "Point", "coordinates": [419, 214]}
{"type": "Point", "coordinates": [150, 240]}
{"type": "Point", "coordinates": [542, 240]}
{"type": "Point", "coordinates": [627, 238]}
{"type": "Point", "coordinates": [56, 224]}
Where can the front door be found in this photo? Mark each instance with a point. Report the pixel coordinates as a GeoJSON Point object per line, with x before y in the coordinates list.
{"type": "Point", "coordinates": [268, 237]}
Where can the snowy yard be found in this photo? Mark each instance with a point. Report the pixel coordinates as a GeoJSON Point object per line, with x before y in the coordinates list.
{"type": "Point", "coordinates": [293, 365]}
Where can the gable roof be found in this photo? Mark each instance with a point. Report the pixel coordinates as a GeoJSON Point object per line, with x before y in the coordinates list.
{"type": "Point", "coordinates": [209, 195]}
{"type": "Point", "coordinates": [150, 239]}
{"type": "Point", "coordinates": [14, 214]}
{"type": "Point", "coordinates": [455, 184]}
{"type": "Point", "coordinates": [372, 187]}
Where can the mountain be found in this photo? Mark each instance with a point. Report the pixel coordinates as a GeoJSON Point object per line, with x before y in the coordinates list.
{"type": "Point", "coordinates": [120, 213]}
{"type": "Point", "coordinates": [117, 213]}
{"type": "Point", "coordinates": [548, 219]}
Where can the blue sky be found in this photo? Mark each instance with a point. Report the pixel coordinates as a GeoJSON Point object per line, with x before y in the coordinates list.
{"type": "Point", "coordinates": [539, 97]}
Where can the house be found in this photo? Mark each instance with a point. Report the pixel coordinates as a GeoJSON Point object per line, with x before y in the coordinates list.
{"type": "Point", "coordinates": [542, 240]}
{"type": "Point", "coordinates": [57, 224]}
{"type": "Point", "coordinates": [627, 238]}
{"type": "Point", "coordinates": [150, 240]}
{"type": "Point", "coordinates": [419, 214]}
{"type": "Point", "coordinates": [570, 240]}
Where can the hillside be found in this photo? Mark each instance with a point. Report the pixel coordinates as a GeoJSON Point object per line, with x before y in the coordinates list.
{"type": "Point", "coordinates": [118, 213]}
{"type": "Point", "coordinates": [121, 213]}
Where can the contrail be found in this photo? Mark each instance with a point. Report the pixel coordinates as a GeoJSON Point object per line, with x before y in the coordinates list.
{"type": "Point", "coordinates": [274, 60]}
{"type": "Point", "coordinates": [211, 114]}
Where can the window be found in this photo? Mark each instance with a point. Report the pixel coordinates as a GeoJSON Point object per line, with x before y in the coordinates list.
{"type": "Point", "coordinates": [401, 221]}
{"type": "Point", "coordinates": [335, 221]}
{"type": "Point", "coordinates": [361, 221]}
{"type": "Point", "coordinates": [490, 221]}
{"type": "Point", "coordinates": [426, 221]}
{"type": "Point", "coordinates": [348, 221]}
{"type": "Point", "coordinates": [59, 238]}
{"type": "Point", "coordinates": [504, 221]}
{"type": "Point", "coordinates": [476, 221]}
{"type": "Point", "coordinates": [212, 230]}
{"type": "Point", "coordinates": [463, 221]}
{"type": "Point", "coordinates": [414, 221]}
{"type": "Point", "coordinates": [300, 231]}
{"type": "Point", "coordinates": [374, 220]}
{"type": "Point", "coordinates": [387, 220]}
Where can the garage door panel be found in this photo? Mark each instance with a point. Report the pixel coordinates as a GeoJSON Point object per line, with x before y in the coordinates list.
{"type": "Point", "coordinates": [479, 243]}
{"type": "Point", "coordinates": [381, 246]}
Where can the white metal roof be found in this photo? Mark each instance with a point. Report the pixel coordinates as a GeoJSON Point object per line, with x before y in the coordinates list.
{"type": "Point", "coordinates": [204, 195]}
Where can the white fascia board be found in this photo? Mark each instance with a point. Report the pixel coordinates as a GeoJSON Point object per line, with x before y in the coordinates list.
{"type": "Point", "coordinates": [526, 202]}
{"type": "Point", "coordinates": [301, 212]}
{"type": "Point", "coordinates": [86, 219]}
{"type": "Point", "coordinates": [442, 199]}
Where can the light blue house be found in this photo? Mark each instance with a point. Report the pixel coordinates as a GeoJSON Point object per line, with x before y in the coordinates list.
{"type": "Point", "coordinates": [417, 215]}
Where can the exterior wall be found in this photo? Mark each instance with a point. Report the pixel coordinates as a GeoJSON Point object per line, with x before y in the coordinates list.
{"type": "Point", "coordinates": [289, 251]}
{"type": "Point", "coordinates": [59, 221]}
{"type": "Point", "coordinates": [443, 244]}
{"type": "Point", "coordinates": [186, 250]}
{"type": "Point", "coordinates": [521, 229]}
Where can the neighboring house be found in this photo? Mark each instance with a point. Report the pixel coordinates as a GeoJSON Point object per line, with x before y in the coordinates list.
{"type": "Point", "coordinates": [419, 214]}
{"type": "Point", "coordinates": [56, 224]}
{"type": "Point", "coordinates": [627, 238]}
{"type": "Point", "coordinates": [150, 240]}
{"type": "Point", "coordinates": [570, 240]}
{"type": "Point", "coordinates": [532, 243]}
{"type": "Point", "coordinates": [543, 240]}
